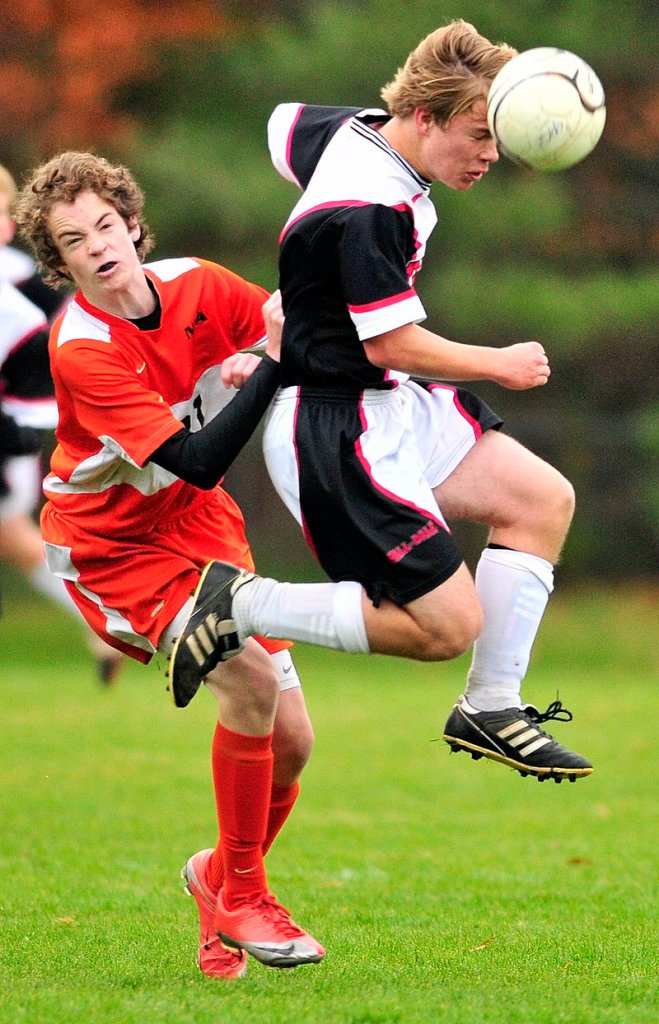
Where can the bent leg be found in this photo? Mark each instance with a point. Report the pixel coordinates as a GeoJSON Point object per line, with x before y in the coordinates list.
{"type": "Point", "coordinates": [246, 690]}
{"type": "Point", "coordinates": [441, 625]}
{"type": "Point", "coordinates": [527, 504]}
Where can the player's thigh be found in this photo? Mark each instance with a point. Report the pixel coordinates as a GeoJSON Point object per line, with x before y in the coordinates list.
{"type": "Point", "coordinates": [440, 625]}
{"type": "Point", "coordinates": [22, 478]}
{"type": "Point", "coordinates": [499, 481]}
{"type": "Point", "coordinates": [451, 612]}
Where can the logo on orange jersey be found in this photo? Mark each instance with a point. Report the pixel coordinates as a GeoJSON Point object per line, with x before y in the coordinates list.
{"type": "Point", "coordinates": [200, 318]}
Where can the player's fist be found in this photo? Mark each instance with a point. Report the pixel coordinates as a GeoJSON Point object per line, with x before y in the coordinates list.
{"type": "Point", "coordinates": [237, 368]}
{"type": "Point", "coordinates": [521, 366]}
{"type": "Point", "coordinates": [273, 316]}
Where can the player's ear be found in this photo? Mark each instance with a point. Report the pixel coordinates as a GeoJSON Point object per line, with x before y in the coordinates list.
{"type": "Point", "coordinates": [134, 229]}
{"type": "Point", "coordinates": [63, 272]}
{"type": "Point", "coordinates": [423, 120]}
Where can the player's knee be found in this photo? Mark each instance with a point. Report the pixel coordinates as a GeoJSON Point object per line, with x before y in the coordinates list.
{"type": "Point", "coordinates": [565, 500]}
{"type": "Point", "coordinates": [455, 635]}
{"type": "Point", "coordinates": [291, 754]}
{"type": "Point", "coordinates": [292, 745]}
{"type": "Point", "coordinates": [248, 682]}
{"type": "Point", "coordinates": [554, 497]}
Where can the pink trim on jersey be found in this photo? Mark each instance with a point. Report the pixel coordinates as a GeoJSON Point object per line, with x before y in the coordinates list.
{"type": "Point", "coordinates": [335, 204]}
{"type": "Point", "coordinates": [474, 424]}
{"type": "Point", "coordinates": [433, 522]}
{"type": "Point", "coordinates": [305, 528]}
{"type": "Point", "coordinates": [289, 142]}
{"type": "Point", "coordinates": [368, 307]}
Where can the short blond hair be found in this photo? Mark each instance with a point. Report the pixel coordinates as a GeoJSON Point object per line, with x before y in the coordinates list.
{"type": "Point", "coordinates": [61, 180]}
{"type": "Point", "coordinates": [447, 73]}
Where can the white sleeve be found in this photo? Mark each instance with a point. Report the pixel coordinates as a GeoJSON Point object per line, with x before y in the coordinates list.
{"type": "Point", "coordinates": [280, 130]}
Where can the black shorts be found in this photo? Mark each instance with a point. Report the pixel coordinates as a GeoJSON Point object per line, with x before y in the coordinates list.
{"type": "Point", "coordinates": [357, 471]}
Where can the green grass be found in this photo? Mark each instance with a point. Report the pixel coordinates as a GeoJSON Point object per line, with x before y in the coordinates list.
{"type": "Point", "coordinates": [446, 891]}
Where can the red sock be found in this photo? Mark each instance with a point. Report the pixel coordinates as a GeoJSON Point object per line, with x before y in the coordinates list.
{"type": "Point", "coordinates": [282, 801]}
{"type": "Point", "coordinates": [242, 776]}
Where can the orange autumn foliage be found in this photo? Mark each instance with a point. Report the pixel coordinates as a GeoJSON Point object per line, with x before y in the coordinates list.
{"type": "Point", "coordinates": [62, 61]}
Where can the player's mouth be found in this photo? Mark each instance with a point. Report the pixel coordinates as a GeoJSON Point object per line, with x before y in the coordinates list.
{"type": "Point", "coordinates": [106, 268]}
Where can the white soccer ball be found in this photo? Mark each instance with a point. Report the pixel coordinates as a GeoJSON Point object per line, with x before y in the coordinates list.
{"type": "Point", "coordinates": [546, 109]}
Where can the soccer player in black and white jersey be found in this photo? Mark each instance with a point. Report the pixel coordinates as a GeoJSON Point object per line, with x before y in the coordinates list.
{"type": "Point", "coordinates": [371, 453]}
{"type": "Point", "coordinates": [369, 447]}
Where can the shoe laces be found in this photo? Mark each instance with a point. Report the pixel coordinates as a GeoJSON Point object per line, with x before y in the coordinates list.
{"type": "Point", "coordinates": [280, 916]}
{"type": "Point", "coordinates": [555, 712]}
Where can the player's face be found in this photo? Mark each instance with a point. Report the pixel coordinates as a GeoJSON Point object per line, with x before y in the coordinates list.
{"type": "Point", "coordinates": [459, 154]}
{"type": "Point", "coordinates": [97, 248]}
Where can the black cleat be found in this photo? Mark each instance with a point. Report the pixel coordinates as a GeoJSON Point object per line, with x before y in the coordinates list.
{"type": "Point", "coordinates": [210, 634]}
{"type": "Point", "coordinates": [512, 737]}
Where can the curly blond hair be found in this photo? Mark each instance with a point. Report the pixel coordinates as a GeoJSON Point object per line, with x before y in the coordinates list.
{"type": "Point", "coordinates": [60, 180]}
{"type": "Point", "coordinates": [447, 73]}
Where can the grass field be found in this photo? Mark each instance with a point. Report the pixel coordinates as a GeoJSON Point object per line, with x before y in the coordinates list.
{"type": "Point", "coordinates": [446, 891]}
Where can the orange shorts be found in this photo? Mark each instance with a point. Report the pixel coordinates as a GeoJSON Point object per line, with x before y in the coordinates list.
{"type": "Point", "coordinates": [130, 589]}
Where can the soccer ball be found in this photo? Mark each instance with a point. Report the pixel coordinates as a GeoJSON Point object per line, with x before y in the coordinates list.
{"type": "Point", "coordinates": [546, 109]}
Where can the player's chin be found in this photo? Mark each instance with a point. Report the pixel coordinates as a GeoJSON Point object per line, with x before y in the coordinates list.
{"type": "Point", "coordinates": [466, 182]}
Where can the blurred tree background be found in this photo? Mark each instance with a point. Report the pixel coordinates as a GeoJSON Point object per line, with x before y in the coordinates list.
{"type": "Point", "coordinates": [181, 92]}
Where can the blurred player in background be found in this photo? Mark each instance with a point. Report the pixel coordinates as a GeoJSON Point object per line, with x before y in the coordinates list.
{"type": "Point", "coordinates": [16, 266]}
{"type": "Point", "coordinates": [135, 513]}
{"type": "Point", "coordinates": [27, 400]}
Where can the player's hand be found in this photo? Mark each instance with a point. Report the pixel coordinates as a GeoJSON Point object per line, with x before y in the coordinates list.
{"type": "Point", "coordinates": [522, 366]}
{"type": "Point", "coordinates": [273, 315]}
{"type": "Point", "coordinates": [238, 368]}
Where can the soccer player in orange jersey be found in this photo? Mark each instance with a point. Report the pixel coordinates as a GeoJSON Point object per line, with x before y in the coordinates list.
{"type": "Point", "coordinates": [135, 510]}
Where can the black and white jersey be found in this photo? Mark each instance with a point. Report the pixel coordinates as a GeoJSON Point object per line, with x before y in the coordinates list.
{"type": "Point", "coordinates": [352, 246]}
{"type": "Point", "coordinates": [26, 386]}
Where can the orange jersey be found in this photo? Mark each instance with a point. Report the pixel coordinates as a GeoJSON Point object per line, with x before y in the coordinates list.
{"type": "Point", "coordinates": [122, 391]}
{"type": "Point", "coordinates": [126, 536]}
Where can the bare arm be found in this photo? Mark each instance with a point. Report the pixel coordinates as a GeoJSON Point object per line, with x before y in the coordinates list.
{"type": "Point", "coordinates": [414, 350]}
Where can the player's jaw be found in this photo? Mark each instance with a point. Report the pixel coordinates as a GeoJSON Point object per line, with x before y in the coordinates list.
{"type": "Point", "coordinates": [460, 153]}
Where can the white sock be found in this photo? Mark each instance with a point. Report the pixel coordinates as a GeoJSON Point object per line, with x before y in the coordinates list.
{"type": "Point", "coordinates": [513, 588]}
{"type": "Point", "coordinates": [325, 614]}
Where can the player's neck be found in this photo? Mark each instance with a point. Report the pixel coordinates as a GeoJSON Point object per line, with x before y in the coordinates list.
{"type": "Point", "coordinates": [400, 137]}
{"type": "Point", "coordinates": [131, 302]}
